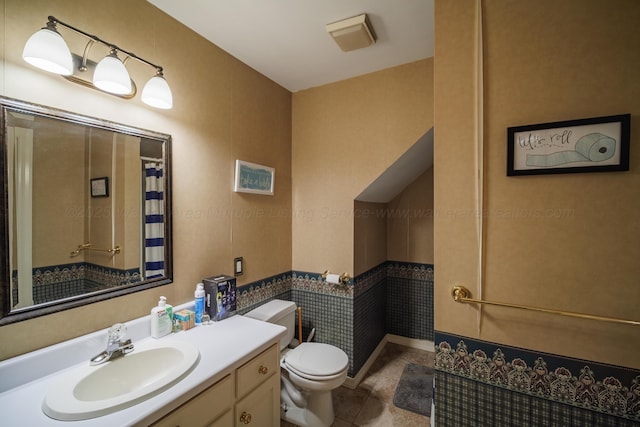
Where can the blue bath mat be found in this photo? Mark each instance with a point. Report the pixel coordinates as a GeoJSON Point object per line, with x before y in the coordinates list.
{"type": "Point", "coordinates": [415, 389]}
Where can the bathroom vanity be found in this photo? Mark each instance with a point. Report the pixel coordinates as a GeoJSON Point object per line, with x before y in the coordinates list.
{"type": "Point", "coordinates": [256, 387]}
{"type": "Point", "coordinates": [235, 382]}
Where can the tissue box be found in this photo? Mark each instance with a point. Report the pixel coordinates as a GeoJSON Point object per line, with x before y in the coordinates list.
{"type": "Point", "coordinates": [220, 296]}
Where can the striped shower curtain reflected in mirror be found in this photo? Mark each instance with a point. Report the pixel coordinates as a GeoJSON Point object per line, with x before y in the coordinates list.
{"type": "Point", "coordinates": [154, 220]}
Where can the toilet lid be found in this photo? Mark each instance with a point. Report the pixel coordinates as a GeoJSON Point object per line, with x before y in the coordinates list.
{"type": "Point", "coordinates": [316, 359]}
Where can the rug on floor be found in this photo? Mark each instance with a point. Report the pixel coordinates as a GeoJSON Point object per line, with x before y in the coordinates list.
{"type": "Point", "coordinates": [415, 389]}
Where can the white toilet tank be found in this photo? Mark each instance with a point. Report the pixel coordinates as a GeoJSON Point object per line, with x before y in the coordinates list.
{"type": "Point", "coordinates": [279, 312]}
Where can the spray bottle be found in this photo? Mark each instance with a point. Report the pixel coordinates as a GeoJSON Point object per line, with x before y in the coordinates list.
{"type": "Point", "coordinates": [199, 303]}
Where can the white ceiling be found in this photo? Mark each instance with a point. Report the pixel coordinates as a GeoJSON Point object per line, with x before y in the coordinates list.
{"type": "Point", "coordinates": [286, 40]}
{"type": "Point", "coordinates": [406, 169]}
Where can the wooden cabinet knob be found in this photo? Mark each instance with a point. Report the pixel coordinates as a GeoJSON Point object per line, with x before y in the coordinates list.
{"type": "Point", "coordinates": [245, 417]}
{"type": "Point", "coordinates": [263, 370]}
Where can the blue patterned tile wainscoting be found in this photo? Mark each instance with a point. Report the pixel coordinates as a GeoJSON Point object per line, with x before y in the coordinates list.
{"type": "Point", "coordinates": [251, 295]}
{"type": "Point", "coordinates": [369, 316]}
{"type": "Point", "coordinates": [486, 384]}
{"type": "Point", "coordinates": [394, 297]}
{"type": "Point", "coordinates": [326, 307]}
{"type": "Point", "coordinates": [56, 282]}
{"type": "Point", "coordinates": [410, 300]}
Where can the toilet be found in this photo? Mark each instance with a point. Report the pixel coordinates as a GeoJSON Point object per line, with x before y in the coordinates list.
{"type": "Point", "coordinates": [309, 371]}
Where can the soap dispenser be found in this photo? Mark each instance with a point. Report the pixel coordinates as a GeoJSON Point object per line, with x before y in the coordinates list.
{"type": "Point", "coordinates": [161, 319]}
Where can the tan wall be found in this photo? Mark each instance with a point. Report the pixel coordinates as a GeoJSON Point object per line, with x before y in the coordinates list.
{"type": "Point", "coordinates": [578, 247]}
{"type": "Point", "coordinates": [58, 196]}
{"type": "Point", "coordinates": [223, 111]}
{"type": "Point", "coordinates": [62, 199]}
{"type": "Point", "coordinates": [99, 216]}
{"type": "Point", "coordinates": [129, 219]}
{"type": "Point", "coordinates": [369, 235]}
{"type": "Point", "coordinates": [410, 222]}
{"type": "Point", "coordinates": [400, 230]}
{"type": "Point", "coordinates": [345, 135]}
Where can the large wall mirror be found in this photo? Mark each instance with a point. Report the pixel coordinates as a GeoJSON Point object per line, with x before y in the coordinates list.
{"type": "Point", "coordinates": [86, 208]}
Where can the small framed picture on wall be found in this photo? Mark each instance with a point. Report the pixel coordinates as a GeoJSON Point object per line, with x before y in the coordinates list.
{"type": "Point", "coordinates": [254, 178]}
{"type": "Point", "coordinates": [599, 144]}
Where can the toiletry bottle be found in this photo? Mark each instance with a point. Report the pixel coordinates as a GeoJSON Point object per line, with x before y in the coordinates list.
{"type": "Point", "coordinates": [160, 319]}
{"type": "Point", "coordinates": [169, 309]}
{"type": "Point", "coordinates": [199, 303]}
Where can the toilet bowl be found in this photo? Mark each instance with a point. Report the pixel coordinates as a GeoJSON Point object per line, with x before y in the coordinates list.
{"type": "Point", "coordinates": [316, 366]}
{"type": "Point", "coordinates": [309, 371]}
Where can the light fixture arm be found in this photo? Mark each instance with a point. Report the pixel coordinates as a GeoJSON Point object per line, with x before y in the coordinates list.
{"type": "Point", "coordinates": [85, 55]}
{"type": "Point", "coordinates": [53, 21]}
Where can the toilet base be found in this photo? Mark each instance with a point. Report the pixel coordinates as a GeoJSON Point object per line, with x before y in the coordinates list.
{"type": "Point", "coordinates": [317, 413]}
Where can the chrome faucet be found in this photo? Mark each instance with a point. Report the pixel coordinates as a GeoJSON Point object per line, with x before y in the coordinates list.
{"type": "Point", "coordinates": [117, 345]}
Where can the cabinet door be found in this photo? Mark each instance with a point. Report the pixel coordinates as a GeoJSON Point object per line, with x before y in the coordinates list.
{"type": "Point", "coordinates": [261, 407]}
{"type": "Point", "coordinates": [203, 409]}
{"type": "Point", "coordinates": [224, 421]}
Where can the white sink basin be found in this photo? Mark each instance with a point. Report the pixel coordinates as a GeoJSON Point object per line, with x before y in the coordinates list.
{"type": "Point", "coordinates": [93, 391]}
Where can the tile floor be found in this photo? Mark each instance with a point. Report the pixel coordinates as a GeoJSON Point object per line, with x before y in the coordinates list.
{"type": "Point", "coordinates": [371, 403]}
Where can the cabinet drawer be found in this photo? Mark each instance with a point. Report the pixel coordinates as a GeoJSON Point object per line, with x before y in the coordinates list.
{"type": "Point", "coordinates": [203, 409]}
{"type": "Point", "coordinates": [258, 369]}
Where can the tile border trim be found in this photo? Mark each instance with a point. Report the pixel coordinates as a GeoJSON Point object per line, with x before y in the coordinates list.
{"type": "Point", "coordinates": [609, 389]}
{"type": "Point", "coordinates": [254, 292]}
{"type": "Point", "coordinates": [268, 288]}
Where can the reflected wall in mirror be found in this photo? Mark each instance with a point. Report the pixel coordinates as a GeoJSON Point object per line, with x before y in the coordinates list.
{"type": "Point", "coordinates": [87, 210]}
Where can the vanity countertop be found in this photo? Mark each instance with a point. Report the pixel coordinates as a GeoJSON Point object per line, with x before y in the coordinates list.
{"type": "Point", "coordinates": [224, 346]}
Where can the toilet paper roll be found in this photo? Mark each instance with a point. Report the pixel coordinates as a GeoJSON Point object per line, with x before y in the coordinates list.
{"type": "Point", "coordinates": [333, 278]}
{"type": "Point", "coordinates": [594, 147]}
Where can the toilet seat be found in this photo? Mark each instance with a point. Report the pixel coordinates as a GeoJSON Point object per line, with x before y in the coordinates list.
{"type": "Point", "coordinates": [316, 361]}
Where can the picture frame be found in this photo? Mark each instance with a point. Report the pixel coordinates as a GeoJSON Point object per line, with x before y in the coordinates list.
{"type": "Point", "coordinates": [100, 187]}
{"type": "Point", "coordinates": [254, 178]}
{"type": "Point", "coordinates": [598, 144]}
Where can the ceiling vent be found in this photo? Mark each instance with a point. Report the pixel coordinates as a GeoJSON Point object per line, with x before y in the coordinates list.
{"type": "Point", "coordinates": [352, 33]}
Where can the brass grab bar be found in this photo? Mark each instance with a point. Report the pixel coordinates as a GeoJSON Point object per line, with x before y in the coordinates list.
{"type": "Point", "coordinates": [87, 247]}
{"type": "Point", "coordinates": [461, 294]}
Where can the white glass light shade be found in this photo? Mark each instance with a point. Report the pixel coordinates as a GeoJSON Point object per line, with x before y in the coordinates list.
{"type": "Point", "coordinates": [47, 50]}
{"type": "Point", "coordinates": [157, 93]}
{"type": "Point", "coordinates": [112, 76]}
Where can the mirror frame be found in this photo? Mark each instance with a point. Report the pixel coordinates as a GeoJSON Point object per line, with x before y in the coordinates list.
{"type": "Point", "coordinates": [8, 316]}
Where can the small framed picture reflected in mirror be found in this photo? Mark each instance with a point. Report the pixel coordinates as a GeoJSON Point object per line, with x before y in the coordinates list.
{"type": "Point", "coordinates": [100, 187]}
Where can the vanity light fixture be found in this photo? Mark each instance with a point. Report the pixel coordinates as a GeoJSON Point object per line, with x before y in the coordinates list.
{"type": "Point", "coordinates": [47, 50]}
{"type": "Point", "coordinates": [111, 75]}
{"type": "Point", "coordinates": [157, 93]}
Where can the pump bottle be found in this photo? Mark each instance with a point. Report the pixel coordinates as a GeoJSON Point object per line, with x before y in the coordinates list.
{"type": "Point", "coordinates": [161, 323]}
